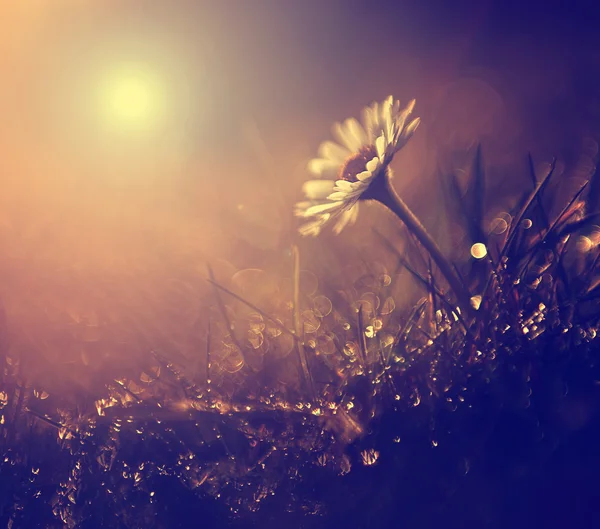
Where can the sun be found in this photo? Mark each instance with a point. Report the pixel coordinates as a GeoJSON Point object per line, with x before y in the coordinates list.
{"type": "Point", "coordinates": [132, 98]}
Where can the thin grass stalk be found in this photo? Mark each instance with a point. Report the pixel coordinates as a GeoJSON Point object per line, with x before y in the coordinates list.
{"type": "Point", "coordinates": [298, 324]}
{"type": "Point", "coordinates": [382, 191]}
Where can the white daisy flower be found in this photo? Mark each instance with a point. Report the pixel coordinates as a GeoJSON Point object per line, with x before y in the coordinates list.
{"type": "Point", "coordinates": [348, 168]}
{"type": "Point", "coordinates": [357, 168]}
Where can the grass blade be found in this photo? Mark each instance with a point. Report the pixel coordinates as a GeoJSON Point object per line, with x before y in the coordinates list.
{"type": "Point", "coordinates": [298, 324]}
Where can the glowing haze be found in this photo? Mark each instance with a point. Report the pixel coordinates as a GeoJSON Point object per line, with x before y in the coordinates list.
{"type": "Point", "coordinates": [132, 97]}
{"type": "Point", "coordinates": [140, 140]}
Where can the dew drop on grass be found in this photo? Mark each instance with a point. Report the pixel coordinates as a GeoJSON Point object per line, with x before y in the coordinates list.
{"type": "Point", "coordinates": [369, 457]}
{"type": "Point", "coordinates": [309, 283]}
{"type": "Point", "coordinates": [311, 322]}
{"type": "Point", "coordinates": [40, 394]}
{"type": "Point", "coordinates": [351, 349]}
{"type": "Point", "coordinates": [325, 344]}
{"type": "Point", "coordinates": [372, 298]}
{"type": "Point", "coordinates": [255, 338]}
{"type": "Point", "coordinates": [3, 399]}
{"type": "Point", "coordinates": [256, 322]}
{"type": "Point", "coordinates": [283, 346]}
{"type": "Point", "coordinates": [322, 306]}
{"type": "Point", "coordinates": [389, 305]}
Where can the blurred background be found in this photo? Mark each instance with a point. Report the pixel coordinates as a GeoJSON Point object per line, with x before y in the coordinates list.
{"type": "Point", "coordinates": [142, 140]}
{"type": "Point", "coordinates": [240, 94]}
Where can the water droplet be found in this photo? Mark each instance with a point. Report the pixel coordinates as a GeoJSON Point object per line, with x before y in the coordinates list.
{"type": "Point", "coordinates": [466, 465]}
{"type": "Point", "coordinates": [345, 465]}
{"type": "Point", "coordinates": [325, 344]}
{"type": "Point", "coordinates": [478, 250]}
{"type": "Point", "coordinates": [476, 302]}
{"type": "Point", "coordinates": [232, 360]}
{"type": "Point", "coordinates": [274, 330]}
{"type": "Point", "coordinates": [584, 244]}
{"type": "Point", "coordinates": [311, 322]}
{"type": "Point", "coordinates": [256, 322]}
{"type": "Point", "coordinates": [150, 375]}
{"type": "Point", "coordinates": [498, 226]}
{"type": "Point", "coordinates": [3, 399]}
{"type": "Point", "coordinates": [365, 306]}
{"type": "Point", "coordinates": [372, 298]}
{"type": "Point", "coordinates": [369, 457]}
{"type": "Point", "coordinates": [416, 399]}
{"type": "Point", "coordinates": [322, 306]}
{"type": "Point", "coordinates": [389, 305]}
{"type": "Point", "coordinates": [254, 285]}
{"type": "Point", "coordinates": [40, 394]}
{"type": "Point", "coordinates": [283, 346]}
{"type": "Point", "coordinates": [351, 349]}
{"type": "Point", "coordinates": [255, 338]}
{"type": "Point", "coordinates": [309, 283]}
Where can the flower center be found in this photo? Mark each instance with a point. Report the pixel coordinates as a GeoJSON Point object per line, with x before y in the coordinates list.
{"type": "Point", "coordinates": [357, 163]}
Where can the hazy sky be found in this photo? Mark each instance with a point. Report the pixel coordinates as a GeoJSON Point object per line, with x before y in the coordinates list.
{"type": "Point", "coordinates": [254, 86]}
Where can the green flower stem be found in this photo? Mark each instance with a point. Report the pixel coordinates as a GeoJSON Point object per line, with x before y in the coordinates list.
{"type": "Point", "coordinates": [382, 191]}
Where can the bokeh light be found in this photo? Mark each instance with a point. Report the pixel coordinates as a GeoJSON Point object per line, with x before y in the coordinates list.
{"type": "Point", "coordinates": [478, 250]}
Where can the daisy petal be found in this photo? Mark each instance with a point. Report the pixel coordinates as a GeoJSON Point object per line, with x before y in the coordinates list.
{"type": "Point", "coordinates": [367, 119]}
{"type": "Point", "coordinates": [317, 189]}
{"type": "Point", "coordinates": [375, 114]}
{"type": "Point", "coordinates": [350, 134]}
{"type": "Point", "coordinates": [344, 185]}
{"type": "Point", "coordinates": [403, 116]}
{"type": "Point", "coordinates": [341, 134]}
{"type": "Point", "coordinates": [380, 145]}
{"type": "Point", "coordinates": [323, 167]}
{"type": "Point", "coordinates": [333, 152]}
{"type": "Point", "coordinates": [357, 132]}
{"type": "Point", "coordinates": [338, 195]}
{"type": "Point", "coordinates": [354, 214]}
{"type": "Point", "coordinates": [365, 176]}
{"type": "Point", "coordinates": [322, 208]}
{"type": "Point", "coordinates": [412, 126]}
{"type": "Point", "coordinates": [410, 107]}
{"type": "Point", "coordinates": [373, 165]}
{"type": "Point", "coordinates": [386, 111]}
{"type": "Point", "coordinates": [343, 220]}
{"type": "Point", "coordinates": [301, 207]}
{"type": "Point", "coordinates": [313, 227]}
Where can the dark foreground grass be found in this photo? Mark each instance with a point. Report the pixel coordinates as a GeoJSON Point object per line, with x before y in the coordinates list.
{"type": "Point", "coordinates": [332, 406]}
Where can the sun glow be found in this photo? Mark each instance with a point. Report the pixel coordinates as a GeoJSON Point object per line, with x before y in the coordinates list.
{"type": "Point", "coordinates": [132, 98]}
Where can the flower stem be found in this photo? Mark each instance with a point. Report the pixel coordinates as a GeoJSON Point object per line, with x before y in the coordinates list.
{"type": "Point", "coordinates": [382, 191]}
